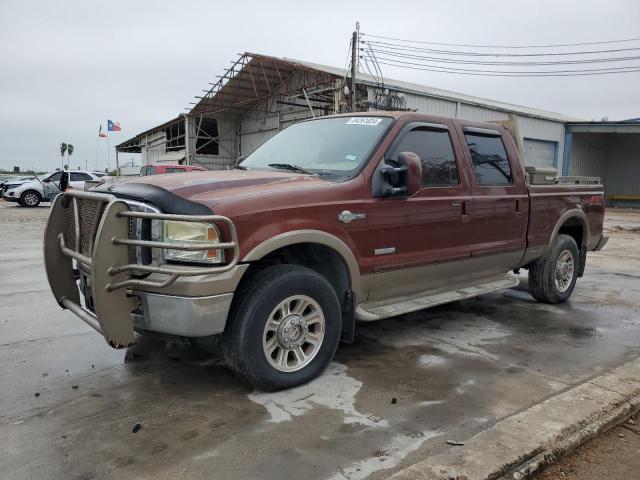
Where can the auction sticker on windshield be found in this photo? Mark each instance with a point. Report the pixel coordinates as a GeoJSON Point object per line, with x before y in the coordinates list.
{"type": "Point", "coordinates": [370, 121]}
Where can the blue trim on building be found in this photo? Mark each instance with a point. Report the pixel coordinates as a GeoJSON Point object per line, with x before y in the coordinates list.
{"type": "Point", "coordinates": [568, 148]}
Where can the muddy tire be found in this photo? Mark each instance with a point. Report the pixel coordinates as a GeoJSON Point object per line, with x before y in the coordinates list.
{"type": "Point", "coordinates": [30, 199]}
{"type": "Point", "coordinates": [553, 278]}
{"type": "Point", "coordinates": [283, 328]}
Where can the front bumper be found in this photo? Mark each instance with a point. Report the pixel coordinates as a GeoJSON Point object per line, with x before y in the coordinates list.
{"type": "Point", "coordinates": [10, 197]}
{"type": "Point", "coordinates": [182, 316]}
{"type": "Point", "coordinates": [88, 237]}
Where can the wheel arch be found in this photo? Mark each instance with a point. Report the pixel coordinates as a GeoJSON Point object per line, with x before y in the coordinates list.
{"type": "Point", "coordinates": [575, 224]}
{"type": "Point", "coordinates": [27, 190]}
{"type": "Point", "coordinates": [309, 248]}
{"type": "Point", "coordinates": [289, 239]}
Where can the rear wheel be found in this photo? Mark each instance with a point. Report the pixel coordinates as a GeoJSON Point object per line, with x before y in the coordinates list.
{"type": "Point", "coordinates": [284, 328]}
{"type": "Point", "coordinates": [552, 279]}
{"type": "Point", "coordinates": [30, 198]}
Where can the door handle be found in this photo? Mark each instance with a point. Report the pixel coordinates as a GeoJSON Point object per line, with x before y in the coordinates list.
{"type": "Point", "coordinates": [466, 218]}
{"type": "Point", "coordinates": [518, 212]}
{"type": "Point", "coordinates": [456, 204]}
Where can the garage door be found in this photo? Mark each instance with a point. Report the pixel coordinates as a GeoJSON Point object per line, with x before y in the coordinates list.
{"type": "Point", "coordinates": [540, 153]}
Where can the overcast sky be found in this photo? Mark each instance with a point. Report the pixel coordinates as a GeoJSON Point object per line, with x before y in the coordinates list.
{"type": "Point", "coordinates": [68, 66]}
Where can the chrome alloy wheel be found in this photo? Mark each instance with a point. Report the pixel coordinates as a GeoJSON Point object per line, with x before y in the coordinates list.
{"type": "Point", "coordinates": [565, 267]}
{"type": "Point", "coordinates": [293, 334]}
{"type": "Point", "coordinates": [31, 199]}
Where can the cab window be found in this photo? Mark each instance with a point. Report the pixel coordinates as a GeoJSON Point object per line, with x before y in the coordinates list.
{"type": "Point", "coordinates": [435, 151]}
{"type": "Point", "coordinates": [174, 170]}
{"type": "Point", "coordinates": [79, 177]}
{"type": "Point", "coordinates": [489, 158]}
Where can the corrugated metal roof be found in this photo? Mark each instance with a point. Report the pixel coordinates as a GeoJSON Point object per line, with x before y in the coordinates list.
{"type": "Point", "coordinates": [444, 94]}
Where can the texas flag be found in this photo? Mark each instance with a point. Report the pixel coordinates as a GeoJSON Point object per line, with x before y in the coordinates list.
{"type": "Point", "coordinates": [113, 126]}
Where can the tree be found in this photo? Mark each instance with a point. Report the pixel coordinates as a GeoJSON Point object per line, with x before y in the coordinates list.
{"type": "Point", "coordinates": [63, 150]}
{"type": "Point", "coordinates": [69, 153]}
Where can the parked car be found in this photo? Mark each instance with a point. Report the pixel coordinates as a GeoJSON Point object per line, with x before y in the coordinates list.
{"type": "Point", "coordinates": [46, 187]}
{"type": "Point", "coordinates": [333, 220]}
{"type": "Point", "coordinates": [11, 182]}
{"type": "Point", "coordinates": [159, 169]}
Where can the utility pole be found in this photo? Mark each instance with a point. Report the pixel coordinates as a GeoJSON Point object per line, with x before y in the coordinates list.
{"type": "Point", "coordinates": [354, 65]}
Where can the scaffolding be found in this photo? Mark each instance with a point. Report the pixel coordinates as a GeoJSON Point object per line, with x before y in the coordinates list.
{"type": "Point", "coordinates": [255, 97]}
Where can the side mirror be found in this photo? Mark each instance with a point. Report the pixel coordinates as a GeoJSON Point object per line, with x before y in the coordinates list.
{"type": "Point", "coordinates": [401, 177]}
{"type": "Point", "coordinates": [46, 180]}
{"type": "Point", "coordinates": [414, 171]}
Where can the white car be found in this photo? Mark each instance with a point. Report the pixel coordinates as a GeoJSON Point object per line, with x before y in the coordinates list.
{"type": "Point", "coordinates": [46, 187]}
{"type": "Point", "coordinates": [12, 182]}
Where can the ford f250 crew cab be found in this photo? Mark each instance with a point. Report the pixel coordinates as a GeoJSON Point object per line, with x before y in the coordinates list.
{"type": "Point", "coordinates": [333, 220]}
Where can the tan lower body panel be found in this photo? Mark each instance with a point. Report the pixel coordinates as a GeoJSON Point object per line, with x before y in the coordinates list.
{"type": "Point", "coordinates": [392, 307]}
{"type": "Point", "coordinates": [384, 286]}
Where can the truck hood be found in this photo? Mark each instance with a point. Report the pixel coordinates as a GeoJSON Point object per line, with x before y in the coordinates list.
{"type": "Point", "coordinates": [215, 187]}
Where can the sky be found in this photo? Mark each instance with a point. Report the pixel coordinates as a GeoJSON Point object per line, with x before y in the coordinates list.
{"type": "Point", "coordinates": [68, 66]}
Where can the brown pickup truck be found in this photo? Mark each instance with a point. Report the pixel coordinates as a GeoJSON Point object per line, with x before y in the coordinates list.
{"type": "Point", "coordinates": [333, 220]}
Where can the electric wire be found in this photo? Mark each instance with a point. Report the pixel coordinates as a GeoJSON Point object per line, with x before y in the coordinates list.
{"type": "Point", "coordinates": [521, 64]}
{"type": "Point", "coordinates": [395, 46]}
{"type": "Point", "coordinates": [551, 45]}
{"type": "Point", "coordinates": [506, 63]}
{"type": "Point", "coordinates": [511, 74]}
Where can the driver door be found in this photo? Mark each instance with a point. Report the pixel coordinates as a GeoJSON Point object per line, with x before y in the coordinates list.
{"type": "Point", "coordinates": [413, 240]}
{"type": "Point", "coordinates": [50, 185]}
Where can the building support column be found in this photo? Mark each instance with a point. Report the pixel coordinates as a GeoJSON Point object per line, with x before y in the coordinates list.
{"type": "Point", "coordinates": [187, 143]}
{"type": "Point", "coordinates": [568, 150]}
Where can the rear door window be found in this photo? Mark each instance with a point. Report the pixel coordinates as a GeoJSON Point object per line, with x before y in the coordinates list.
{"type": "Point", "coordinates": [490, 161]}
{"type": "Point", "coordinates": [79, 177]}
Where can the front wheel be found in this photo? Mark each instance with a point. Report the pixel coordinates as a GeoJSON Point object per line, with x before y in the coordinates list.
{"type": "Point", "coordinates": [284, 327]}
{"type": "Point", "coordinates": [30, 198]}
{"type": "Point", "coordinates": [552, 279]}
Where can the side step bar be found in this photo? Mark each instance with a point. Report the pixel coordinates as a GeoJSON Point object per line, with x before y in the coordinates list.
{"type": "Point", "coordinates": [399, 306]}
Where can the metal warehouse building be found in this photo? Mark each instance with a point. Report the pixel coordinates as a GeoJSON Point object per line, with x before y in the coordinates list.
{"type": "Point", "coordinates": [609, 150]}
{"type": "Point", "coordinates": [260, 95]}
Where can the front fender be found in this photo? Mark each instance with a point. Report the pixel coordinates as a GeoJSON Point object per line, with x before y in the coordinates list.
{"type": "Point", "coordinates": [310, 236]}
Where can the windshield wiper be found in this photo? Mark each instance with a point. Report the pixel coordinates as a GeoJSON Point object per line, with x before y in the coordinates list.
{"type": "Point", "coordinates": [239, 167]}
{"type": "Point", "coordinates": [292, 168]}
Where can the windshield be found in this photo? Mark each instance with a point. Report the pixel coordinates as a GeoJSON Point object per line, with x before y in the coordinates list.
{"type": "Point", "coordinates": [333, 147]}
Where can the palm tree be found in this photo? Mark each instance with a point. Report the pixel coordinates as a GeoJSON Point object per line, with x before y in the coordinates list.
{"type": "Point", "coordinates": [63, 149]}
{"type": "Point", "coordinates": [69, 153]}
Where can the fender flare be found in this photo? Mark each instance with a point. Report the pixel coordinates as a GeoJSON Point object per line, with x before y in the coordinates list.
{"type": "Point", "coordinates": [311, 236]}
{"type": "Point", "coordinates": [568, 215]}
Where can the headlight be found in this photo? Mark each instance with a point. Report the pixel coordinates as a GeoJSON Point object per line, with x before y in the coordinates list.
{"type": "Point", "coordinates": [192, 232]}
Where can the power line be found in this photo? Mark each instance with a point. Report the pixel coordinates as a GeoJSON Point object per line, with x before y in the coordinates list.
{"type": "Point", "coordinates": [505, 63]}
{"type": "Point", "coordinates": [488, 73]}
{"type": "Point", "coordinates": [395, 46]}
{"type": "Point", "coordinates": [512, 71]}
{"type": "Point", "coordinates": [552, 45]}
